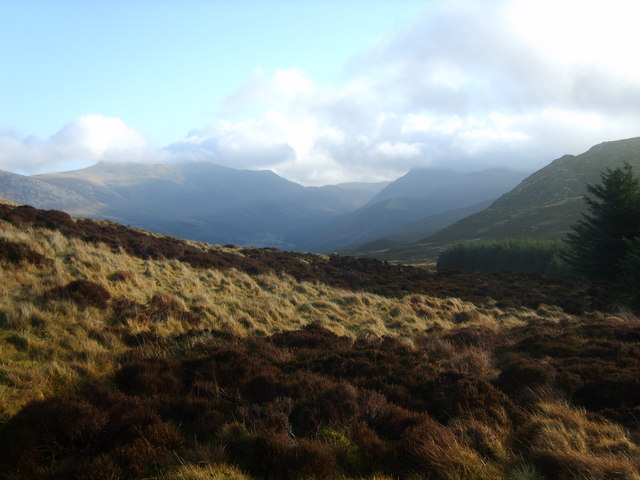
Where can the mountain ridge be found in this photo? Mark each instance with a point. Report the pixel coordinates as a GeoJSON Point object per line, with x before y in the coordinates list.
{"type": "Point", "coordinates": [447, 191]}
{"type": "Point", "coordinates": [198, 200]}
{"type": "Point", "coordinates": [549, 201]}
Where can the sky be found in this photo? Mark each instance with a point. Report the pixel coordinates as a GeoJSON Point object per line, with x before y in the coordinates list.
{"type": "Point", "coordinates": [320, 92]}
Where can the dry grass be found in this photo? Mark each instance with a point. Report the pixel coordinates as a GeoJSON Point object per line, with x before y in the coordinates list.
{"type": "Point", "coordinates": [49, 343]}
{"type": "Point", "coordinates": [7, 202]}
{"type": "Point", "coordinates": [205, 472]}
{"type": "Point", "coordinates": [566, 443]}
{"type": "Point", "coordinates": [53, 338]}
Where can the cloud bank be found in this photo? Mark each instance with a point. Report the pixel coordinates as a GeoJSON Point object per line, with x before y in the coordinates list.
{"type": "Point", "coordinates": [81, 142]}
{"type": "Point", "coordinates": [469, 85]}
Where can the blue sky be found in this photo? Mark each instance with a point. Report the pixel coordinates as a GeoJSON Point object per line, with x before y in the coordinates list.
{"type": "Point", "coordinates": [320, 92]}
{"type": "Point", "coordinates": [164, 66]}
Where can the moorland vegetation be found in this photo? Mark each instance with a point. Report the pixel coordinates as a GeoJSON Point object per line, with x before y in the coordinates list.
{"type": "Point", "coordinates": [127, 355]}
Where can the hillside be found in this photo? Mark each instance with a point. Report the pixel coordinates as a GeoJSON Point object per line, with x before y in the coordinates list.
{"type": "Point", "coordinates": [406, 234]}
{"type": "Point", "coordinates": [197, 200]}
{"type": "Point", "coordinates": [423, 198]}
{"type": "Point", "coordinates": [30, 190]}
{"type": "Point", "coordinates": [548, 202]}
{"type": "Point", "coordinates": [130, 355]}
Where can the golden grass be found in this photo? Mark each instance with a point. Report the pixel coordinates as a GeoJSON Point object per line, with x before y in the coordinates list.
{"type": "Point", "coordinates": [46, 344]}
{"type": "Point", "coordinates": [7, 202]}
{"type": "Point", "coordinates": [205, 472]}
{"type": "Point", "coordinates": [585, 447]}
{"type": "Point", "coordinates": [49, 344]}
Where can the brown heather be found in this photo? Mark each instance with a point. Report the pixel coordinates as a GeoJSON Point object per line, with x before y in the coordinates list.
{"type": "Point", "coordinates": [128, 355]}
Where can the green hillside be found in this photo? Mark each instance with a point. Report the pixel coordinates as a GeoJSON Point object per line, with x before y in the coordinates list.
{"type": "Point", "coordinates": [546, 203]}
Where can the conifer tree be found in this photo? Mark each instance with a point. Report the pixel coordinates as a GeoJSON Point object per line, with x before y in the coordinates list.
{"type": "Point", "coordinates": [630, 274]}
{"type": "Point", "coordinates": [600, 241]}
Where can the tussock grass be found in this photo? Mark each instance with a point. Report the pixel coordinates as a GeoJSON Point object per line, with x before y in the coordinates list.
{"type": "Point", "coordinates": [40, 331]}
{"type": "Point", "coordinates": [566, 443]}
{"type": "Point", "coordinates": [457, 386]}
{"type": "Point", "coordinates": [205, 472]}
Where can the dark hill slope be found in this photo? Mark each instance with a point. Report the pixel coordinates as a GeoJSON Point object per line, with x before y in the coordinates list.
{"type": "Point", "coordinates": [548, 202]}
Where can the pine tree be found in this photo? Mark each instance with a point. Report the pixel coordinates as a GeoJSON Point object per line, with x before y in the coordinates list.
{"type": "Point", "coordinates": [630, 274]}
{"type": "Point", "coordinates": [600, 241]}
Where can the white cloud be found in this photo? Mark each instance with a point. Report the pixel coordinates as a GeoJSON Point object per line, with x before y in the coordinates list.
{"type": "Point", "coordinates": [399, 150]}
{"type": "Point", "coordinates": [81, 142]}
{"type": "Point", "coordinates": [471, 84]}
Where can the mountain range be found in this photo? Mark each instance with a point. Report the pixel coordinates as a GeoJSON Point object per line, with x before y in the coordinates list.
{"type": "Point", "coordinates": [208, 202]}
{"type": "Point", "coordinates": [199, 200]}
{"type": "Point", "coordinates": [410, 218]}
{"type": "Point", "coordinates": [417, 204]}
{"type": "Point", "coordinates": [544, 205]}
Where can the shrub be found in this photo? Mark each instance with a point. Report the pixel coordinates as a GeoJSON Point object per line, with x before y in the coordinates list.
{"type": "Point", "coordinates": [388, 420]}
{"type": "Point", "coordinates": [311, 336]}
{"type": "Point", "coordinates": [18, 254]}
{"type": "Point", "coordinates": [262, 388]}
{"type": "Point", "coordinates": [339, 404]}
{"type": "Point", "coordinates": [67, 434]}
{"type": "Point", "coordinates": [524, 374]}
{"type": "Point", "coordinates": [374, 453]}
{"type": "Point", "coordinates": [46, 431]}
{"type": "Point", "coordinates": [84, 293]}
{"type": "Point", "coordinates": [451, 395]}
{"type": "Point", "coordinates": [150, 376]}
{"type": "Point", "coordinates": [312, 459]}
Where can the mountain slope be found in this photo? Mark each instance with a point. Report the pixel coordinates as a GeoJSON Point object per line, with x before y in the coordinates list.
{"type": "Point", "coordinates": [548, 202]}
{"type": "Point", "coordinates": [404, 202]}
{"type": "Point", "coordinates": [416, 183]}
{"type": "Point", "coordinates": [413, 231]}
{"type": "Point", "coordinates": [31, 190]}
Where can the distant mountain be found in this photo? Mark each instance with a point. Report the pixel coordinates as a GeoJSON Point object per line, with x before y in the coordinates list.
{"type": "Point", "coordinates": [198, 200]}
{"type": "Point", "coordinates": [415, 231]}
{"type": "Point", "coordinates": [417, 183]}
{"type": "Point", "coordinates": [401, 207]}
{"type": "Point", "coordinates": [547, 203]}
{"type": "Point", "coordinates": [30, 190]}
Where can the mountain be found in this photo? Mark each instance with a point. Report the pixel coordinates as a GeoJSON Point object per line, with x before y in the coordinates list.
{"type": "Point", "coordinates": [416, 183]}
{"type": "Point", "coordinates": [414, 231]}
{"type": "Point", "coordinates": [197, 200]}
{"type": "Point", "coordinates": [33, 191]}
{"type": "Point", "coordinates": [548, 202]}
{"type": "Point", "coordinates": [422, 195]}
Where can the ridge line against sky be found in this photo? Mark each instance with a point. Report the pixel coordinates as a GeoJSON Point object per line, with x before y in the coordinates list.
{"type": "Point", "coordinates": [319, 92]}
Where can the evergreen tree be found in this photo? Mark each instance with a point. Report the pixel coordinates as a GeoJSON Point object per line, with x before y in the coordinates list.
{"type": "Point", "coordinates": [630, 274]}
{"type": "Point", "coordinates": [600, 241]}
